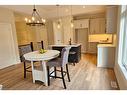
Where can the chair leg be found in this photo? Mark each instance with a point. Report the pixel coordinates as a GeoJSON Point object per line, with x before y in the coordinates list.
{"type": "Point", "coordinates": [74, 64]}
{"type": "Point", "coordinates": [24, 69]}
{"type": "Point", "coordinates": [48, 75]}
{"type": "Point", "coordinates": [63, 78]}
{"type": "Point", "coordinates": [55, 72]}
{"type": "Point", "coordinates": [67, 73]}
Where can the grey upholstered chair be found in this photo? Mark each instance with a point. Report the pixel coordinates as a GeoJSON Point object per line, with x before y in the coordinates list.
{"type": "Point", "coordinates": [23, 49]}
{"type": "Point", "coordinates": [59, 62]}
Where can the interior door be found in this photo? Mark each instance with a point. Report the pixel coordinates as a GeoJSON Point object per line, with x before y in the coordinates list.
{"type": "Point", "coordinates": [82, 38]}
{"type": "Point", "coordinates": [7, 53]}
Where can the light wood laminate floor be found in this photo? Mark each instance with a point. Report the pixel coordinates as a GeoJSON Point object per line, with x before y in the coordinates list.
{"type": "Point", "coordinates": [84, 76]}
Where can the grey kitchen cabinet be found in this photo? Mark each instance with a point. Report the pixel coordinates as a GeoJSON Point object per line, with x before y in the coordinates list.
{"type": "Point", "coordinates": [97, 26]}
{"type": "Point", "coordinates": [111, 19]}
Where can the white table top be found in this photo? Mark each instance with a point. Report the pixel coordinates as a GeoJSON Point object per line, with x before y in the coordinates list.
{"type": "Point", "coordinates": [36, 56]}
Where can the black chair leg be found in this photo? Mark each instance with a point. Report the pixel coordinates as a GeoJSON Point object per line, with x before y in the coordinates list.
{"type": "Point", "coordinates": [48, 75]}
{"type": "Point", "coordinates": [63, 78]}
{"type": "Point", "coordinates": [67, 73]}
{"type": "Point", "coordinates": [55, 72]}
{"type": "Point", "coordinates": [24, 69]}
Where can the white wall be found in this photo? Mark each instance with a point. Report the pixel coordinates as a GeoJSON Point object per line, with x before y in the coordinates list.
{"type": "Point", "coordinates": [50, 32]}
{"type": "Point", "coordinates": [27, 34]}
{"type": "Point", "coordinates": [58, 33]}
{"type": "Point", "coordinates": [41, 35]}
{"type": "Point", "coordinates": [122, 81]}
{"type": "Point", "coordinates": [7, 16]}
{"type": "Point", "coordinates": [65, 32]}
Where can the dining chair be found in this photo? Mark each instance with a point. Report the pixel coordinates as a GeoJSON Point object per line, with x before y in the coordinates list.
{"type": "Point", "coordinates": [40, 45]}
{"type": "Point", "coordinates": [59, 62]}
{"type": "Point", "coordinates": [23, 49]}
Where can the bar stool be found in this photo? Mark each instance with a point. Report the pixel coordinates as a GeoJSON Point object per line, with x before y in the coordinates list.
{"type": "Point", "coordinates": [59, 62]}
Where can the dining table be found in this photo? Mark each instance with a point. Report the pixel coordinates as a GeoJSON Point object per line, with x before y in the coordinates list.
{"type": "Point", "coordinates": [36, 56]}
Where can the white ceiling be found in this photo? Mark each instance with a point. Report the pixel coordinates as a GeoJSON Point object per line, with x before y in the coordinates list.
{"type": "Point", "coordinates": [50, 11]}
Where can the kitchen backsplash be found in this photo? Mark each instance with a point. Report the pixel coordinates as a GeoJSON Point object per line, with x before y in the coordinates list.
{"type": "Point", "coordinates": [101, 38]}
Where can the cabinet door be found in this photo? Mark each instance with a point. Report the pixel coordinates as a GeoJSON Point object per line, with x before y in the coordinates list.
{"type": "Point", "coordinates": [92, 47]}
{"type": "Point", "coordinates": [97, 26]}
{"type": "Point", "coordinates": [84, 23]}
{"type": "Point", "coordinates": [94, 26]}
{"type": "Point", "coordinates": [102, 25]}
{"type": "Point", "coordinates": [111, 15]}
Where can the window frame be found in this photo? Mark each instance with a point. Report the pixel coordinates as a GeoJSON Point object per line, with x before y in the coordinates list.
{"type": "Point", "coordinates": [122, 37]}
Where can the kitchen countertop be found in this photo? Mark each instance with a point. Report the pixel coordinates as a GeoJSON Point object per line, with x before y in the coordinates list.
{"type": "Point", "coordinates": [63, 45]}
{"type": "Point", "coordinates": [106, 45]}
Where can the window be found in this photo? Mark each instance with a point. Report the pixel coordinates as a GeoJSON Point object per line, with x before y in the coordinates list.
{"type": "Point", "coordinates": [122, 58]}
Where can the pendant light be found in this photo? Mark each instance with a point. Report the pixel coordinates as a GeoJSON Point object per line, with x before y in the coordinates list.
{"type": "Point", "coordinates": [72, 23]}
{"type": "Point", "coordinates": [36, 19]}
{"type": "Point", "coordinates": [58, 23]}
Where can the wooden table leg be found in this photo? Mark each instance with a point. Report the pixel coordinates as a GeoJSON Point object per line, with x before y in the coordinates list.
{"type": "Point", "coordinates": [45, 73]}
{"type": "Point", "coordinates": [32, 65]}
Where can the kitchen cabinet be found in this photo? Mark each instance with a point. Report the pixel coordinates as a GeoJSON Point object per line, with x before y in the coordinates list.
{"type": "Point", "coordinates": [83, 23]}
{"type": "Point", "coordinates": [111, 19]}
{"type": "Point", "coordinates": [106, 55]}
{"type": "Point", "coordinates": [92, 47]}
{"type": "Point", "coordinates": [97, 26]}
{"type": "Point", "coordinates": [82, 37]}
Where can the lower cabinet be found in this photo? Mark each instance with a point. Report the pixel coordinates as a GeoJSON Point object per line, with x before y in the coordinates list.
{"type": "Point", "coordinates": [106, 56]}
{"type": "Point", "coordinates": [92, 47]}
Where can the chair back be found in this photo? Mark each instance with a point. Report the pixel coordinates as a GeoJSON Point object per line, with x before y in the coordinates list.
{"type": "Point", "coordinates": [40, 45]}
{"type": "Point", "coordinates": [64, 55]}
{"type": "Point", "coordinates": [23, 49]}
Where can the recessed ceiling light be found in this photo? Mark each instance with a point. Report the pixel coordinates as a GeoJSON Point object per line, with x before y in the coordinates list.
{"type": "Point", "coordinates": [84, 6]}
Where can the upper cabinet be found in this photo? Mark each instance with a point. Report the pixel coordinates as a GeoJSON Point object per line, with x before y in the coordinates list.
{"type": "Point", "coordinates": [83, 23]}
{"type": "Point", "coordinates": [111, 22]}
{"type": "Point", "coordinates": [97, 26]}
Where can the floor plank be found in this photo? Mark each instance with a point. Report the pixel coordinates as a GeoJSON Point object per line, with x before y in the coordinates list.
{"type": "Point", "coordinates": [84, 76]}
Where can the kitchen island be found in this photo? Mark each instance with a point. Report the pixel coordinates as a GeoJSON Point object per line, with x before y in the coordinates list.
{"type": "Point", "coordinates": [74, 54]}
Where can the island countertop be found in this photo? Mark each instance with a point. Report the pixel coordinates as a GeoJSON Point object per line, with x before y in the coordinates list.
{"type": "Point", "coordinates": [64, 45]}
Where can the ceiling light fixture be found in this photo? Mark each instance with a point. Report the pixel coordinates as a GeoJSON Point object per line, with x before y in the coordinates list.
{"type": "Point", "coordinates": [36, 19]}
{"type": "Point", "coordinates": [72, 23]}
{"type": "Point", "coordinates": [58, 23]}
